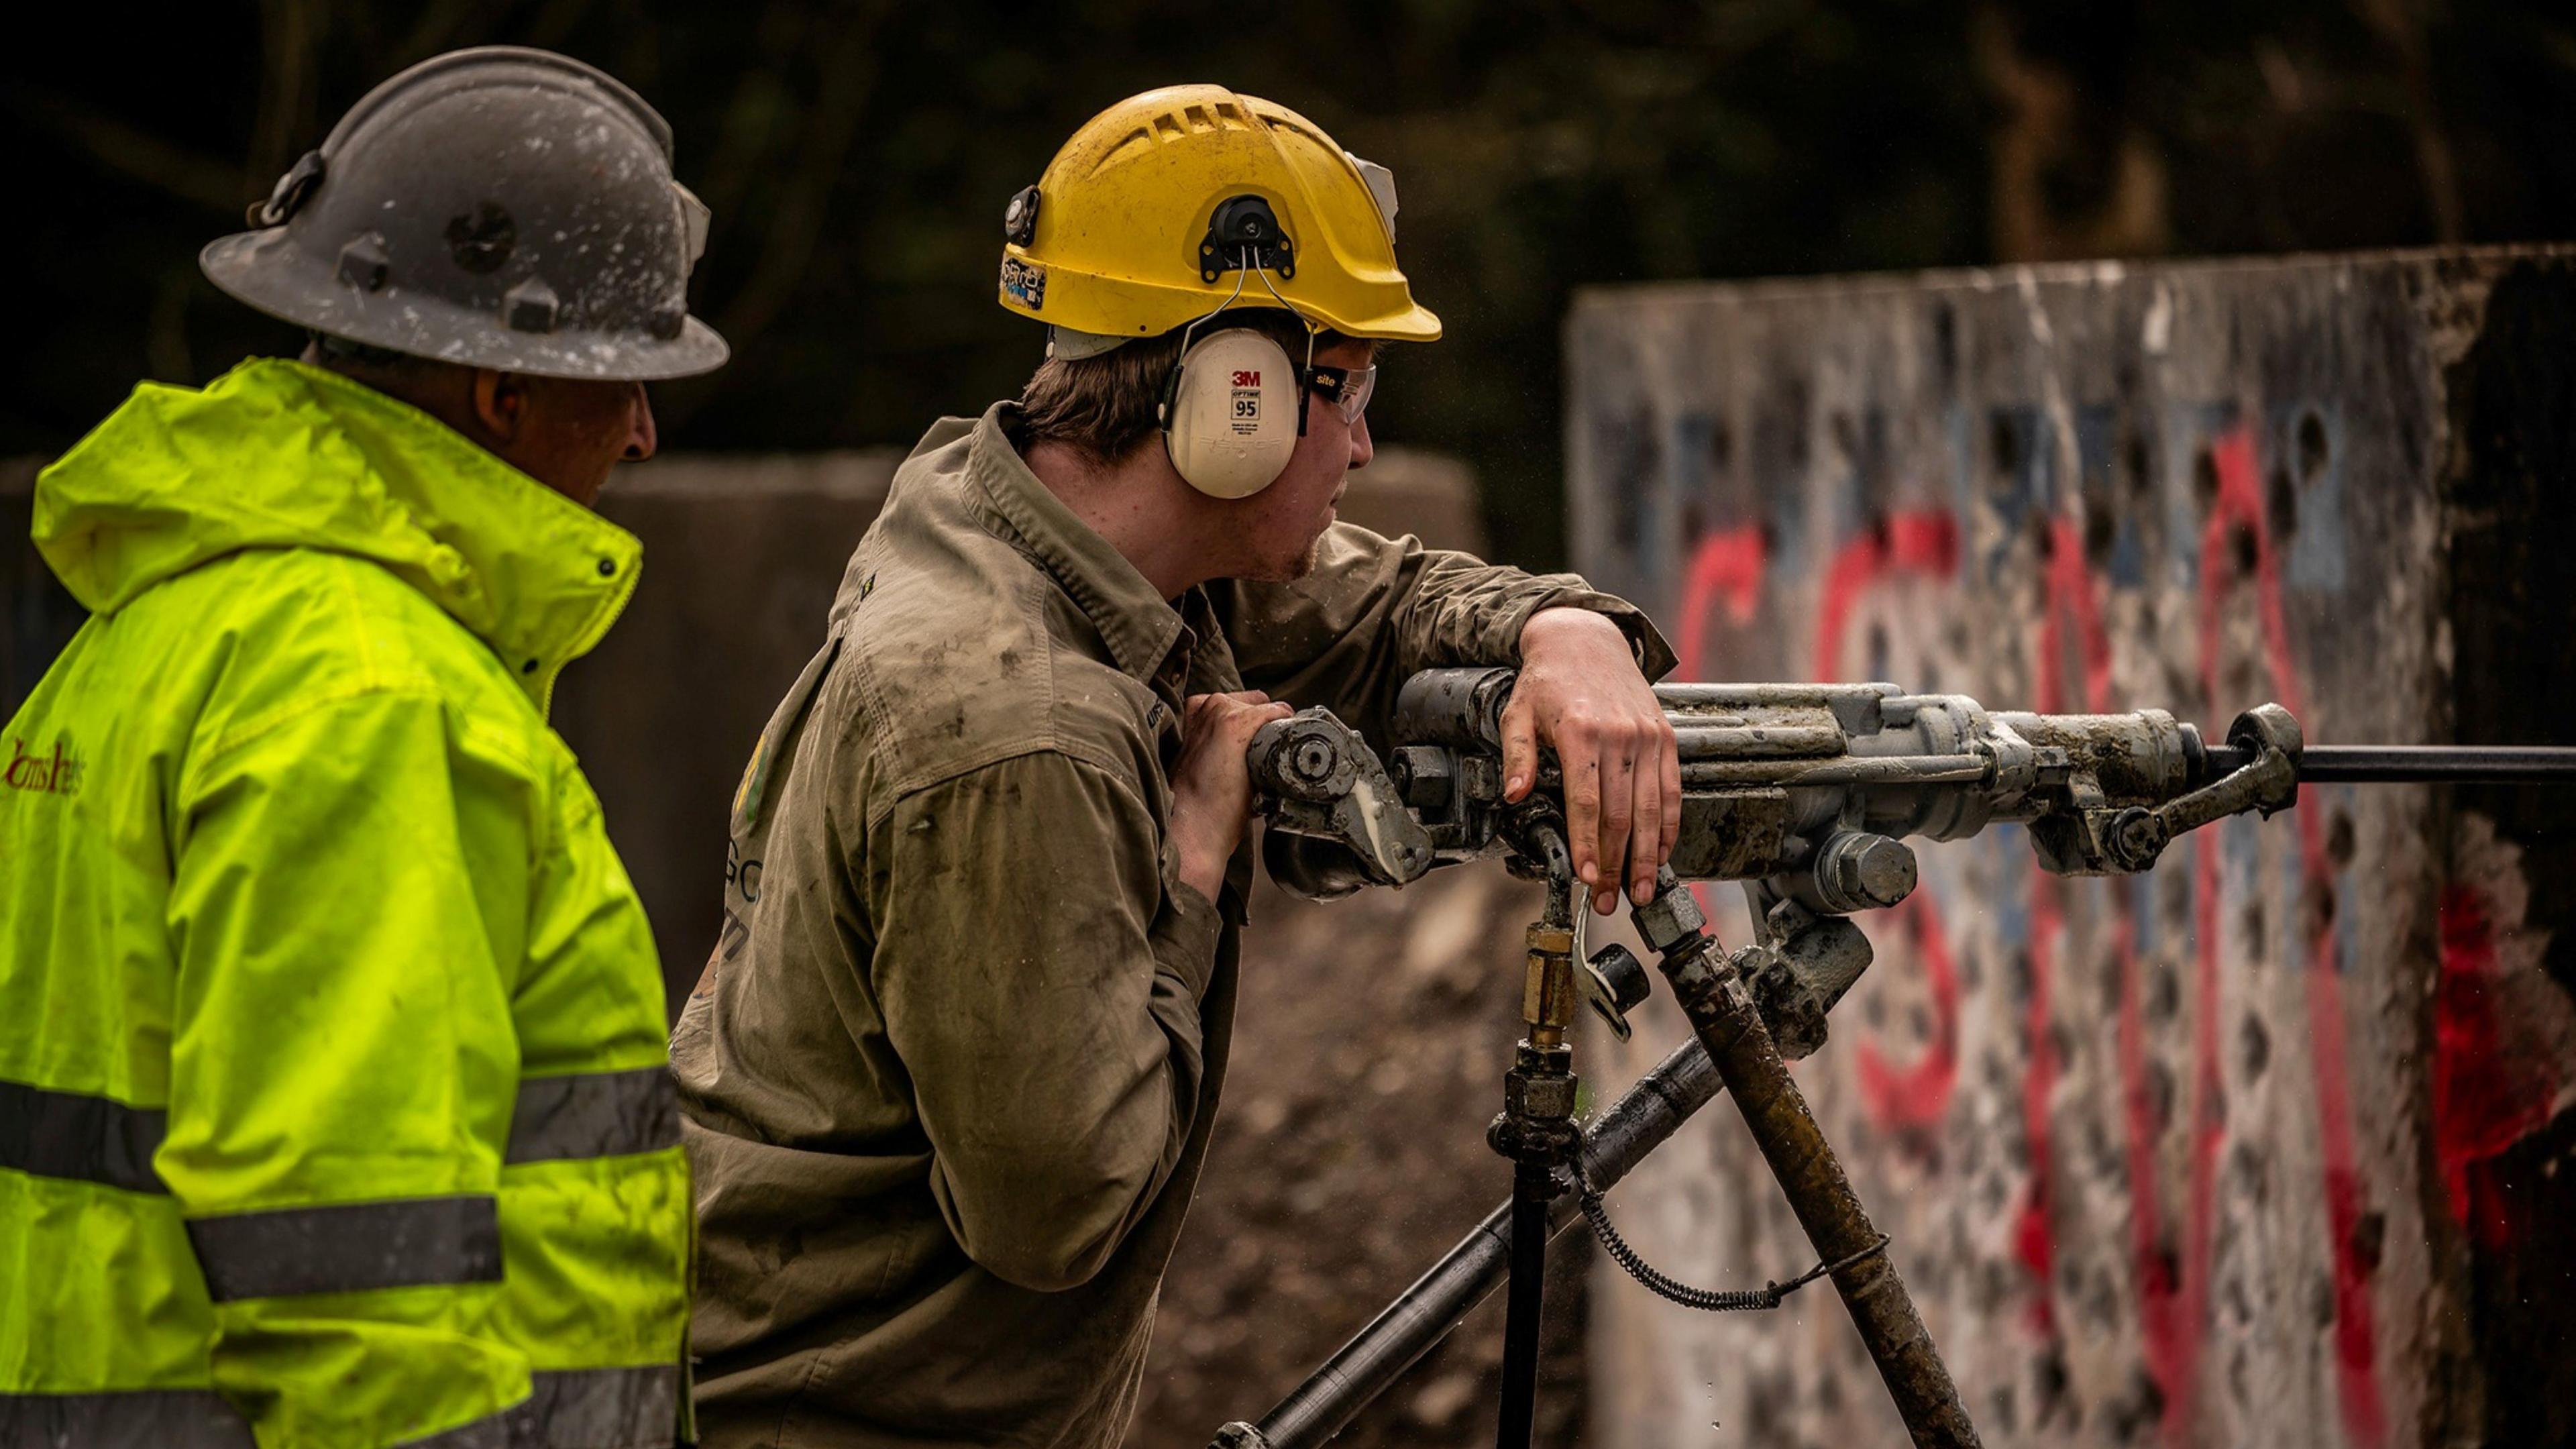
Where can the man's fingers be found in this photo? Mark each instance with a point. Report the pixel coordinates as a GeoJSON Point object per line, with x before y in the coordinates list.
{"type": "Point", "coordinates": [1646, 835]}
{"type": "Point", "coordinates": [1582, 768]}
{"type": "Point", "coordinates": [1243, 721]}
{"type": "Point", "coordinates": [1672, 783]}
{"type": "Point", "coordinates": [1618, 805]}
{"type": "Point", "coordinates": [1520, 750]}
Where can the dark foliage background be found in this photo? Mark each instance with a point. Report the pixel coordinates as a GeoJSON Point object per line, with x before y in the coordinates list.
{"type": "Point", "coordinates": [857, 156]}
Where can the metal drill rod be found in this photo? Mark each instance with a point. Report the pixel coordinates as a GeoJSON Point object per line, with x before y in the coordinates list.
{"type": "Point", "coordinates": [1641, 1120]}
{"type": "Point", "coordinates": [1721, 1010]}
{"type": "Point", "coordinates": [2400, 764]}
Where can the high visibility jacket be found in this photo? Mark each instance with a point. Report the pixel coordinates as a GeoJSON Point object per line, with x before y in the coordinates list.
{"type": "Point", "coordinates": [334, 1104]}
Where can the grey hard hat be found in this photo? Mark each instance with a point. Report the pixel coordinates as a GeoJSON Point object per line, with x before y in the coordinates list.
{"type": "Point", "coordinates": [496, 207]}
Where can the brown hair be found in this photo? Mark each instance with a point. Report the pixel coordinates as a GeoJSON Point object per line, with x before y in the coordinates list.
{"type": "Point", "coordinates": [1104, 405]}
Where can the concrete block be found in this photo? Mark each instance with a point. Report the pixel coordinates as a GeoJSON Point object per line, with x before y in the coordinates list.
{"type": "Point", "coordinates": [2266, 1148]}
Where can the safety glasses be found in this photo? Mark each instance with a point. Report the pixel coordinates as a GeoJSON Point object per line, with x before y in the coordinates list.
{"type": "Point", "coordinates": [1346, 388]}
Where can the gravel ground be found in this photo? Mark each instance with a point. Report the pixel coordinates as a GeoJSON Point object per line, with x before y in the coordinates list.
{"type": "Point", "coordinates": [1368, 1056]}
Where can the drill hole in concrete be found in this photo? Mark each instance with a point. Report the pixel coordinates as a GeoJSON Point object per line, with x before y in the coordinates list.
{"type": "Point", "coordinates": [2312, 448]}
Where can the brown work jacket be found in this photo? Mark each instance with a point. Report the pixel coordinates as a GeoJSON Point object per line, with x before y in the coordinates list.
{"type": "Point", "coordinates": [951, 1071]}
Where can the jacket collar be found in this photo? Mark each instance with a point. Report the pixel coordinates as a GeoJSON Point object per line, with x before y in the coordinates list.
{"type": "Point", "coordinates": [276, 454]}
{"type": "Point", "coordinates": [1136, 623]}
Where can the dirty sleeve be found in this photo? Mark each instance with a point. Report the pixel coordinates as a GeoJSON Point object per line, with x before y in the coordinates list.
{"type": "Point", "coordinates": [1040, 968]}
{"type": "Point", "coordinates": [1375, 610]}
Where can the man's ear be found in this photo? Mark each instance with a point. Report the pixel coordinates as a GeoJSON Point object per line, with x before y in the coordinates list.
{"type": "Point", "coordinates": [501, 403]}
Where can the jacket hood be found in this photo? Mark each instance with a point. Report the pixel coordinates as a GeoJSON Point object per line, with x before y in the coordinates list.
{"type": "Point", "coordinates": [277, 454]}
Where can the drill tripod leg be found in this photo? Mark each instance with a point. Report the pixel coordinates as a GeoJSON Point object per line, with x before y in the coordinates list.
{"type": "Point", "coordinates": [1643, 1118]}
{"type": "Point", "coordinates": [1712, 992]}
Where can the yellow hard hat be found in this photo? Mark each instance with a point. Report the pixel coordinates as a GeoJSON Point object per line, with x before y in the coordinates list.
{"type": "Point", "coordinates": [1154, 212]}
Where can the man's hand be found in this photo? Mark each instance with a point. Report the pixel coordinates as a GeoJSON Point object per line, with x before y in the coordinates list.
{"type": "Point", "coordinates": [1212, 783]}
{"type": "Point", "coordinates": [1580, 692]}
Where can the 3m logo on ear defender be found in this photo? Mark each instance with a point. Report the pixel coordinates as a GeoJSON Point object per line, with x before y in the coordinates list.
{"type": "Point", "coordinates": [1245, 377]}
{"type": "Point", "coordinates": [1024, 283]}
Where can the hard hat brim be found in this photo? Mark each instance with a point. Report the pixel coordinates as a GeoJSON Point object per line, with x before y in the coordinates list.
{"type": "Point", "coordinates": [266, 271]}
{"type": "Point", "coordinates": [1420, 324]}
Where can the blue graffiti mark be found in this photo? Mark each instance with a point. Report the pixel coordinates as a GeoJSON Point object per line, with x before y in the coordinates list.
{"type": "Point", "coordinates": [2240, 863]}
{"type": "Point", "coordinates": [1689, 464]}
{"type": "Point", "coordinates": [2024, 456]}
{"type": "Point", "coordinates": [2144, 926]}
{"type": "Point", "coordinates": [2305, 441]}
{"type": "Point", "coordinates": [1955, 425]}
{"type": "Point", "coordinates": [2188, 428]}
{"type": "Point", "coordinates": [2097, 436]}
{"type": "Point", "coordinates": [2010, 859]}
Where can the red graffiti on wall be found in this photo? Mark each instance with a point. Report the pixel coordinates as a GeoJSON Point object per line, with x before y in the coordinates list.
{"type": "Point", "coordinates": [2236, 519]}
{"type": "Point", "coordinates": [1918, 1096]}
{"type": "Point", "coordinates": [2174, 1287]}
{"type": "Point", "coordinates": [2485, 1097]}
{"type": "Point", "coordinates": [1726, 567]}
{"type": "Point", "coordinates": [2068, 601]}
{"type": "Point", "coordinates": [1922, 545]}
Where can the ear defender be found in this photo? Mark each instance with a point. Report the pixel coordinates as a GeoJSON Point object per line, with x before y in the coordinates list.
{"type": "Point", "coordinates": [1231, 412]}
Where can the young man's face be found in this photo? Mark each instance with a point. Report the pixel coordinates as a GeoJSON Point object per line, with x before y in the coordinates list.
{"type": "Point", "coordinates": [1285, 519]}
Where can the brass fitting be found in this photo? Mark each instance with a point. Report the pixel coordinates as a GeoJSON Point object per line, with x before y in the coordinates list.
{"type": "Point", "coordinates": [1549, 997]}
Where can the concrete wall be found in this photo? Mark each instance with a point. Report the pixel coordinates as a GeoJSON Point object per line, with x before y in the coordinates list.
{"type": "Point", "coordinates": [2267, 1148]}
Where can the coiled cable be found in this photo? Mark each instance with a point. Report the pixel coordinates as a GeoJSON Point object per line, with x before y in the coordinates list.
{"type": "Point", "coordinates": [1707, 1300]}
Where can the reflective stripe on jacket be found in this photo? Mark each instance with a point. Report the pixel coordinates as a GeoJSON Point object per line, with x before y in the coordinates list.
{"type": "Point", "coordinates": [334, 1105]}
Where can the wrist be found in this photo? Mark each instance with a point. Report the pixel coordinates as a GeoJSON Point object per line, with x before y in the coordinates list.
{"type": "Point", "coordinates": [1567, 623]}
{"type": "Point", "coordinates": [1199, 863]}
